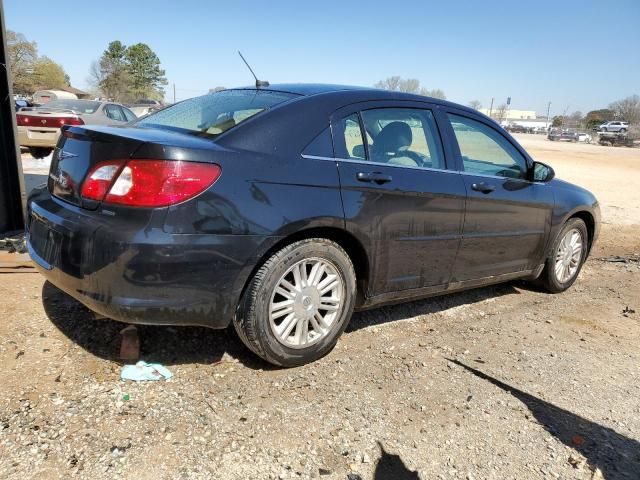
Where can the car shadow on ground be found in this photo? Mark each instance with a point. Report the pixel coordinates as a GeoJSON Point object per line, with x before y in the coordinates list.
{"type": "Point", "coordinates": [617, 456]}
{"type": "Point", "coordinates": [161, 344]}
{"type": "Point", "coordinates": [182, 345]}
{"type": "Point", "coordinates": [429, 305]}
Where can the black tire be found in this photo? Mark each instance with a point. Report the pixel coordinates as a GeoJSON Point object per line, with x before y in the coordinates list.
{"type": "Point", "coordinates": [252, 317]}
{"type": "Point", "coordinates": [623, 130]}
{"type": "Point", "coordinates": [40, 152]}
{"type": "Point", "coordinates": [603, 129]}
{"type": "Point", "coordinates": [547, 279]}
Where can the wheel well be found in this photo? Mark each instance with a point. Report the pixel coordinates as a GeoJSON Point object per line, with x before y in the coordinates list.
{"type": "Point", "coordinates": [587, 218]}
{"type": "Point", "coordinates": [348, 242]}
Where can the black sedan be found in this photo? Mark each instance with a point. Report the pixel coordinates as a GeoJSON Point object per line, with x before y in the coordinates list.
{"type": "Point", "coordinates": [283, 209]}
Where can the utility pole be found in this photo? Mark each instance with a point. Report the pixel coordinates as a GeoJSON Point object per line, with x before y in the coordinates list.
{"type": "Point", "coordinates": [491, 108]}
{"type": "Point", "coordinates": [174, 93]}
{"type": "Point", "coordinates": [548, 110]}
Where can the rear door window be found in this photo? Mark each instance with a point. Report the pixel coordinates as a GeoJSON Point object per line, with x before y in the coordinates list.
{"type": "Point", "coordinates": [403, 136]}
{"type": "Point", "coordinates": [349, 143]}
{"type": "Point", "coordinates": [114, 113]}
{"type": "Point", "coordinates": [129, 114]}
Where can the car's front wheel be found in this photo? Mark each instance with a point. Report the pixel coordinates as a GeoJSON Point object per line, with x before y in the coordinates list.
{"type": "Point", "coordinates": [298, 303]}
{"type": "Point", "coordinates": [567, 256]}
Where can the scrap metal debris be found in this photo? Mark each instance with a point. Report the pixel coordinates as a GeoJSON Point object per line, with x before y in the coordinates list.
{"type": "Point", "coordinates": [143, 371]}
{"type": "Point", "coordinates": [621, 259]}
{"type": "Point", "coordinates": [14, 242]}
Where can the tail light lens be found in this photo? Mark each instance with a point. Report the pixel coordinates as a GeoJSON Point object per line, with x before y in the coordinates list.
{"type": "Point", "coordinates": [51, 122]}
{"type": "Point", "coordinates": [148, 183]}
{"type": "Point", "coordinates": [71, 121]}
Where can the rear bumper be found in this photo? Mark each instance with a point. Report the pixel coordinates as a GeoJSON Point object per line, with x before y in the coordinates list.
{"type": "Point", "coordinates": [38, 137]}
{"type": "Point", "coordinates": [130, 270]}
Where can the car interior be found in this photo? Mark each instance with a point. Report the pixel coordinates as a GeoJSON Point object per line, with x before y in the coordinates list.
{"type": "Point", "coordinates": [405, 137]}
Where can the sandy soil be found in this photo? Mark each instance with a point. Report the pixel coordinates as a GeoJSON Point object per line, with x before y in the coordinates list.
{"type": "Point", "coordinates": [496, 383]}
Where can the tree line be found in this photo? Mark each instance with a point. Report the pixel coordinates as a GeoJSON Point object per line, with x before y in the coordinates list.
{"type": "Point", "coordinates": [409, 85]}
{"type": "Point", "coordinates": [128, 73]}
{"type": "Point", "coordinates": [30, 71]}
{"type": "Point", "coordinates": [123, 73]}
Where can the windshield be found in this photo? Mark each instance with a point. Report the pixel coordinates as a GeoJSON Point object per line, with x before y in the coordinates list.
{"type": "Point", "coordinates": [212, 114]}
{"type": "Point", "coordinates": [79, 106]}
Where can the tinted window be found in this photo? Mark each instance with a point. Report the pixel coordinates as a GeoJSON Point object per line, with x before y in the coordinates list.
{"type": "Point", "coordinates": [321, 146]}
{"type": "Point", "coordinates": [485, 151]}
{"type": "Point", "coordinates": [212, 114]}
{"type": "Point", "coordinates": [129, 114]}
{"type": "Point", "coordinates": [114, 113]}
{"type": "Point", "coordinates": [349, 142]}
{"type": "Point", "coordinates": [403, 136]}
{"type": "Point", "coordinates": [78, 106]}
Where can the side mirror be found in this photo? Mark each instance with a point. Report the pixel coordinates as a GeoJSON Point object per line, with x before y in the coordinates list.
{"type": "Point", "coordinates": [542, 172]}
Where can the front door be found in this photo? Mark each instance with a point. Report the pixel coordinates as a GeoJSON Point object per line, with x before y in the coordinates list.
{"type": "Point", "coordinates": [508, 216]}
{"type": "Point", "coordinates": [400, 198]}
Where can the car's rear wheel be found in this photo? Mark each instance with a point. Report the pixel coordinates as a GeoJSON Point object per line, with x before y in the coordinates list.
{"type": "Point", "coordinates": [623, 130]}
{"type": "Point", "coordinates": [40, 152]}
{"type": "Point", "coordinates": [298, 303]}
{"type": "Point", "coordinates": [566, 258]}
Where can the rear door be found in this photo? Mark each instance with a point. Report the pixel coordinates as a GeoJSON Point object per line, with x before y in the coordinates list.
{"type": "Point", "coordinates": [507, 217]}
{"type": "Point", "coordinates": [400, 197]}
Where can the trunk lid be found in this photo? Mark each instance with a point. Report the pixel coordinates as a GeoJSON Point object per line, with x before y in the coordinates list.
{"type": "Point", "coordinates": [81, 148]}
{"type": "Point", "coordinates": [78, 150]}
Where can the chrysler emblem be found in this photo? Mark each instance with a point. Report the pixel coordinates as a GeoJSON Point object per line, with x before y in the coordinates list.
{"type": "Point", "coordinates": [44, 122]}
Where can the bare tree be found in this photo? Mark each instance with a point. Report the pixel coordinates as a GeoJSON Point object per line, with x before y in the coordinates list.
{"type": "Point", "coordinates": [409, 85]}
{"type": "Point", "coordinates": [500, 112]}
{"type": "Point", "coordinates": [627, 109]}
{"type": "Point", "coordinates": [475, 104]}
{"type": "Point", "coordinates": [95, 76]}
{"type": "Point", "coordinates": [435, 93]}
{"type": "Point", "coordinates": [391, 83]}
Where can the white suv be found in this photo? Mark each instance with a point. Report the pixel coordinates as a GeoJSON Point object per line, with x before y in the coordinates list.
{"type": "Point", "coordinates": [621, 127]}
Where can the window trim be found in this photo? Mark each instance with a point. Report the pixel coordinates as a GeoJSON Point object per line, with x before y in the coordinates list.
{"type": "Point", "coordinates": [367, 162]}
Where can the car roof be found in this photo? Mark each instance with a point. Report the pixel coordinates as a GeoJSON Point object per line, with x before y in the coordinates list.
{"type": "Point", "coordinates": [312, 89]}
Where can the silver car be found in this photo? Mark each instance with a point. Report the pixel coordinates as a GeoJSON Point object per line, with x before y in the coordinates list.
{"type": "Point", "coordinates": [621, 127]}
{"type": "Point", "coordinates": [39, 127]}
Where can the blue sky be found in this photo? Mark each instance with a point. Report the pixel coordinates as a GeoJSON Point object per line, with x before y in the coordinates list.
{"type": "Point", "coordinates": [579, 55]}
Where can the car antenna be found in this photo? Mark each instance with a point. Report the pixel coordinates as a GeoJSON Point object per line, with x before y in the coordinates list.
{"type": "Point", "coordinates": [259, 83]}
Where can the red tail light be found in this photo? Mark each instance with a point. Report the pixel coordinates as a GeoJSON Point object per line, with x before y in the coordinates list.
{"type": "Point", "coordinates": [148, 183]}
{"type": "Point", "coordinates": [50, 122]}
{"type": "Point", "coordinates": [22, 120]}
{"type": "Point", "coordinates": [71, 121]}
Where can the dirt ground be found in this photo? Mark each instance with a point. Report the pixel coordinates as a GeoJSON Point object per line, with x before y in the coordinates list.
{"type": "Point", "coordinates": [496, 383]}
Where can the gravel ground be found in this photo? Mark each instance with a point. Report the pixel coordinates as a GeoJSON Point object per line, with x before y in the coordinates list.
{"type": "Point", "coordinates": [495, 383]}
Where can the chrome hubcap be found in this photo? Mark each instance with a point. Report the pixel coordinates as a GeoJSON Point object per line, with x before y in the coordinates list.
{"type": "Point", "coordinates": [306, 303]}
{"type": "Point", "coordinates": [568, 256]}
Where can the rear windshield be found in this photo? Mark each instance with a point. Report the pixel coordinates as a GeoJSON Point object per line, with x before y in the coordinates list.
{"type": "Point", "coordinates": [212, 114]}
{"type": "Point", "coordinates": [78, 106]}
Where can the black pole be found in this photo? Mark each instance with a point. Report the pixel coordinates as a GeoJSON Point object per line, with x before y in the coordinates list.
{"type": "Point", "coordinates": [12, 200]}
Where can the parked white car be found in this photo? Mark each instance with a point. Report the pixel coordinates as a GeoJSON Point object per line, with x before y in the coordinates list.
{"type": "Point", "coordinates": [584, 137]}
{"type": "Point", "coordinates": [621, 127]}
